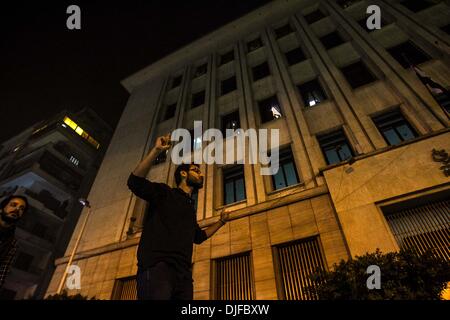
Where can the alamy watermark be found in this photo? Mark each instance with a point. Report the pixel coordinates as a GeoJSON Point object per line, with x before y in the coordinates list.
{"type": "Point", "coordinates": [257, 141]}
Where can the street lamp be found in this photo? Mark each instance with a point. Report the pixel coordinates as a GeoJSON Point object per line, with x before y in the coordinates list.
{"type": "Point", "coordinates": [84, 203]}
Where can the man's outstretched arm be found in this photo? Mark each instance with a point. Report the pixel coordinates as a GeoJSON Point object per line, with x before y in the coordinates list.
{"type": "Point", "coordinates": [224, 217]}
{"type": "Point", "coordinates": [161, 144]}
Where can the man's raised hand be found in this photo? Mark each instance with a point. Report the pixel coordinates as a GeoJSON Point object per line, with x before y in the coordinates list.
{"type": "Point", "coordinates": [163, 143]}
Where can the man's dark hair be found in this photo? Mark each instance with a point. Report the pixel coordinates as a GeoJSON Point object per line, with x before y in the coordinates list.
{"type": "Point", "coordinates": [182, 167]}
{"type": "Point", "coordinates": [5, 202]}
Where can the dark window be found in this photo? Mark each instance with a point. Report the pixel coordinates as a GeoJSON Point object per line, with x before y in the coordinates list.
{"type": "Point", "coordinates": [408, 54]}
{"type": "Point", "coordinates": [312, 93]}
{"type": "Point", "coordinates": [227, 57]}
{"type": "Point", "coordinates": [198, 99]}
{"type": "Point", "coordinates": [233, 278]}
{"type": "Point", "coordinates": [260, 71]}
{"type": "Point", "coordinates": [200, 70]}
{"type": "Point", "coordinates": [346, 3]}
{"type": "Point", "coordinates": [314, 16]}
{"type": "Point", "coordinates": [335, 147]}
{"type": "Point", "coordinates": [269, 109]}
{"type": "Point", "coordinates": [23, 261]}
{"type": "Point", "coordinates": [233, 184]}
{"type": "Point", "coordinates": [230, 121]}
{"type": "Point", "coordinates": [295, 56]}
{"type": "Point", "coordinates": [394, 128]}
{"type": "Point", "coordinates": [416, 5]}
{"type": "Point", "coordinates": [161, 157]}
{"type": "Point", "coordinates": [357, 74]}
{"type": "Point", "coordinates": [254, 44]}
{"type": "Point", "coordinates": [444, 100]}
{"type": "Point", "coordinates": [283, 31]}
{"type": "Point", "coordinates": [170, 111]}
{"type": "Point", "coordinates": [331, 40]}
{"type": "Point", "coordinates": [228, 85]}
{"type": "Point", "coordinates": [446, 29]}
{"type": "Point", "coordinates": [39, 230]}
{"type": "Point", "coordinates": [287, 173]}
{"type": "Point", "coordinates": [176, 82]}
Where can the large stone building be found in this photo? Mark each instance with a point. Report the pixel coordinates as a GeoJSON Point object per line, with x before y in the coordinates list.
{"type": "Point", "coordinates": [357, 130]}
{"type": "Point", "coordinates": [53, 163]}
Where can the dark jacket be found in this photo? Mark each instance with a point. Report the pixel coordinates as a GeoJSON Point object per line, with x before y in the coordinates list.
{"type": "Point", "coordinates": [8, 249]}
{"type": "Point", "coordinates": [170, 227]}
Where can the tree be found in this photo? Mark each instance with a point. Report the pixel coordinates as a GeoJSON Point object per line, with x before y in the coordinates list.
{"type": "Point", "coordinates": [65, 296]}
{"type": "Point", "coordinates": [405, 275]}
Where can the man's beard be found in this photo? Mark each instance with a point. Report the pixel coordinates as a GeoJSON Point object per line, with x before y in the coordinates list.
{"type": "Point", "coordinates": [193, 184]}
{"type": "Point", "coordinates": [8, 219]}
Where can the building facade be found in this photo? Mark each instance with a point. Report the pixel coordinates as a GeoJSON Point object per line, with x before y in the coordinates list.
{"type": "Point", "coordinates": [363, 162]}
{"type": "Point", "coordinates": [53, 164]}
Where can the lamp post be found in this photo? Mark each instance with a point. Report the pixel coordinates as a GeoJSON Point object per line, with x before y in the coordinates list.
{"type": "Point", "coordinates": [84, 203]}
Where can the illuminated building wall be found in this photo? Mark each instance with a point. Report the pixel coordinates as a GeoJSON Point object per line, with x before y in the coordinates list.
{"type": "Point", "coordinates": [357, 130]}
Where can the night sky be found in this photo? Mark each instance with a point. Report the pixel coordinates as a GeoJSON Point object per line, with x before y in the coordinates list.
{"type": "Point", "coordinates": [45, 68]}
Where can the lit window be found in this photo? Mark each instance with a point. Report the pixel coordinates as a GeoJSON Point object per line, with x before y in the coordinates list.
{"type": "Point", "coordinates": [79, 131]}
{"type": "Point", "coordinates": [70, 123]}
{"type": "Point", "coordinates": [269, 109]}
{"type": "Point", "coordinates": [312, 93]}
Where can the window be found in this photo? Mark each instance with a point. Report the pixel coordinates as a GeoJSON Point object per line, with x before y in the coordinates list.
{"type": "Point", "coordinates": [233, 184]}
{"type": "Point", "coordinates": [331, 40]}
{"type": "Point", "coordinates": [176, 82]}
{"type": "Point", "coordinates": [233, 280]}
{"type": "Point", "coordinates": [170, 111]}
{"type": "Point", "coordinates": [198, 99]}
{"type": "Point", "coordinates": [39, 230]}
{"type": "Point", "coordinates": [394, 128]}
{"type": "Point", "coordinates": [269, 109]}
{"type": "Point", "coordinates": [287, 173]}
{"type": "Point", "coordinates": [23, 261]}
{"type": "Point", "coordinates": [446, 29]}
{"type": "Point", "coordinates": [254, 44]}
{"type": "Point", "coordinates": [228, 85]}
{"type": "Point", "coordinates": [444, 101]}
{"type": "Point", "coordinates": [295, 263]}
{"type": "Point", "coordinates": [314, 16]}
{"type": "Point", "coordinates": [283, 31]}
{"type": "Point", "coordinates": [227, 57]}
{"type": "Point", "coordinates": [161, 157]}
{"type": "Point", "coordinates": [408, 54]}
{"type": "Point", "coordinates": [125, 289]}
{"type": "Point", "coordinates": [200, 70]}
{"type": "Point", "coordinates": [335, 147]}
{"type": "Point", "coordinates": [260, 71]}
{"type": "Point", "coordinates": [312, 93]}
{"type": "Point", "coordinates": [416, 5]}
{"type": "Point", "coordinates": [230, 121]}
{"type": "Point", "coordinates": [295, 56]}
{"type": "Point", "coordinates": [357, 74]}
{"type": "Point", "coordinates": [74, 160]}
{"type": "Point", "coordinates": [421, 226]}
